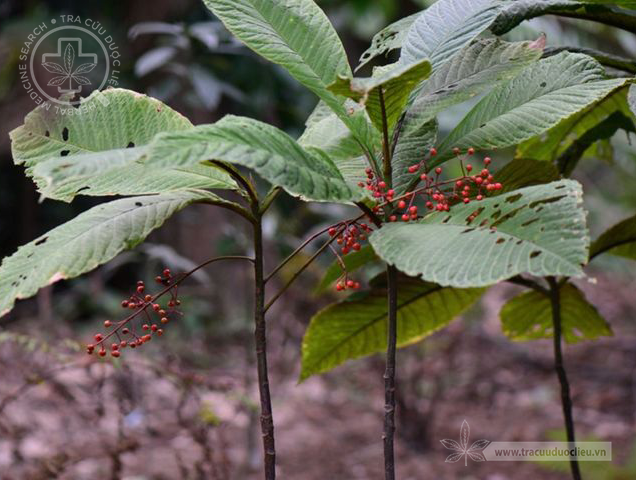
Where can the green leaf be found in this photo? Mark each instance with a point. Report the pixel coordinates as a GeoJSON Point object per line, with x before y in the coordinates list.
{"type": "Point", "coordinates": [357, 327]}
{"type": "Point", "coordinates": [618, 240]}
{"type": "Point", "coordinates": [297, 35]}
{"type": "Point", "coordinates": [524, 172]}
{"type": "Point", "coordinates": [445, 28]}
{"type": "Point", "coordinates": [103, 175]}
{"type": "Point", "coordinates": [632, 98]}
{"type": "Point", "coordinates": [89, 240]}
{"type": "Point", "coordinates": [330, 135]}
{"type": "Point", "coordinates": [269, 151]}
{"type": "Point", "coordinates": [352, 261]}
{"type": "Point", "coordinates": [94, 152]}
{"type": "Point", "coordinates": [108, 120]}
{"type": "Point", "coordinates": [540, 97]}
{"type": "Point", "coordinates": [387, 39]}
{"type": "Point", "coordinates": [479, 66]}
{"type": "Point", "coordinates": [558, 139]}
{"type": "Point", "coordinates": [539, 230]}
{"type": "Point", "coordinates": [529, 317]}
{"type": "Point", "coordinates": [395, 84]}
{"type": "Point", "coordinates": [414, 141]}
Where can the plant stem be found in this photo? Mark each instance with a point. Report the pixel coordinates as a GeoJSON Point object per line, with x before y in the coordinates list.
{"type": "Point", "coordinates": [392, 293]}
{"type": "Point", "coordinates": [260, 336]}
{"type": "Point", "coordinates": [389, 374]}
{"type": "Point", "coordinates": [566, 400]}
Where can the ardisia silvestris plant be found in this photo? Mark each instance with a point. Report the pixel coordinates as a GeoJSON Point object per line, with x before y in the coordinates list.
{"type": "Point", "coordinates": [371, 142]}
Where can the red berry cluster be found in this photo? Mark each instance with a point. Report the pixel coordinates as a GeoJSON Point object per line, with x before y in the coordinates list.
{"type": "Point", "coordinates": [349, 236]}
{"type": "Point", "coordinates": [377, 187]}
{"type": "Point", "coordinates": [143, 305]}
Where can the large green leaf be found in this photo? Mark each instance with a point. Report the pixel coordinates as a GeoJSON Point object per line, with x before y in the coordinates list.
{"type": "Point", "coordinates": [100, 174]}
{"type": "Point", "coordinates": [109, 120]}
{"type": "Point", "coordinates": [478, 67]}
{"type": "Point", "coordinates": [385, 93]}
{"type": "Point", "coordinates": [539, 230]}
{"type": "Point", "coordinates": [618, 240]}
{"type": "Point", "coordinates": [94, 152]}
{"type": "Point", "coordinates": [297, 35]}
{"type": "Point", "coordinates": [558, 139]}
{"type": "Point", "coordinates": [445, 28]}
{"type": "Point", "coordinates": [269, 151]}
{"type": "Point", "coordinates": [387, 39]}
{"type": "Point", "coordinates": [529, 317]}
{"type": "Point", "coordinates": [357, 326]}
{"type": "Point", "coordinates": [89, 240]}
{"type": "Point", "coordinates": [537, 99]}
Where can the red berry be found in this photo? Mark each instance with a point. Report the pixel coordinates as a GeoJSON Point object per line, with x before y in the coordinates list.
{"type": "Point", "coordinates": [471, 151]}
{"type": "Point", "coordinates": [107, 323]}
{"type": "Point", "coordinates": [123, 344]}
{"type": "Point", "coordinates": [115, 353]}
{"type": "Point", "coordinates": [164, 320]}
{"type": "Point", "coordinates": [350, 283]}
{"type": "Point", "coordinates": [382, 184]}
{"type": "Point", "coordinates": [156, 307]}
{"type": "Point", "coordinates": [484, 172]}
{"type": "Point", "coordinates": [466, 200]}
{"type": "Point", "coordinates": [147, 298]}
{"type": "Point", "coordinates": [459, 183]}
{"type": "Point", "coordinates": [469, 167]}
{"type": "Point", "coordinates": [423, 177]}
{"type": "Point", "coordinates": [401, 204]}
{"type": "Point", "coordinates": [332, 231]}
{"type": "Point", "coordinates": [158, 279]}
{"type": "Point", "coordinates": [390, 193]}
{"type": "Point", "coordinates": [145, 326]}
{"type": "Point", "coordinates": [114, 346]}
{"type": "Point", "coordinates": [487, 160]}
{"type": "Point", "coordinates": [99, 337]}
{"type": "Point", "coordinates": [162, 313]}
{"type": "Point", "coordinates": [393, 218]}
{"type": "Point", "coordinates": [125, 331]}
{"type": "Point", "coordinates": [413, 168]}
{"type": "Point", "coordinates": [356, 247]}
{"type": "Point", "coordinates": [438, 170]}
{"type": "Point", "coordinates": [480, 197]}
{"type": "Point", "coordinates": [456, 151]}
{"type": "Point", "coordinates": [413, 209]}
{"type": "Point", "coordinates": [166, 272]}
{"type": "Point", "coordinates": [124, 304]}
{"type": "Point", "coordinates": [339, 287]}
{"type": "Point", "coordinates": [140, 289]}
{"type": "Point", "coordinates": [406, 217]}
{"type": "Point", "coordinates": [102, 352]}
{"type": "Point", "coordinates": [154, 328]}
{"type": "Point", "coordinates": [498, 186]}
{"type": "Point", "coordinates": [433, 151]}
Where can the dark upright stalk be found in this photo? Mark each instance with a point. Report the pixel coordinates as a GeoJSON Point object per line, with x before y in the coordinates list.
{"type": "Point", "coordinates": [392, 290]}
{"type": "Point", "coordinates": [389, 374]}
{"type": "Point", "coordinates": [260, 336]}
{"type": "Point", "coordinates": [566, 400]}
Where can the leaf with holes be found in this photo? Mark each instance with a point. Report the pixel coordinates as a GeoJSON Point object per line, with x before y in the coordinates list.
{"type": "Point", "coordinates": [91, 151]}
{"type": "Point", "coordinates": [529, 317]}
{"type": "Point", "coordinates": [352, 261]}
{"type": "Point", "coordinates": [267, 150]}
{"type": "Point", "coordinates": [386, 93]}
{"type": "Point", "coordinates": [445, 28]}
{"type": "Point", "coordinates": [89, 240]}
{"type": "Point", "coordinates": [619, 240]}
{"type": "Point", "coordinates": [539, 230]}
{"type": "Point", "coordinates": [537, 99]}
{"type": "Point", "coordinates": [388, 39]}
{"type": "Point", "coordinates": [356, 327]}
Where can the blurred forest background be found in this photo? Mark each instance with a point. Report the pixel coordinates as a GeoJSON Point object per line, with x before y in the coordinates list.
{"type": "Point", "coordinates": [186, 407]}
